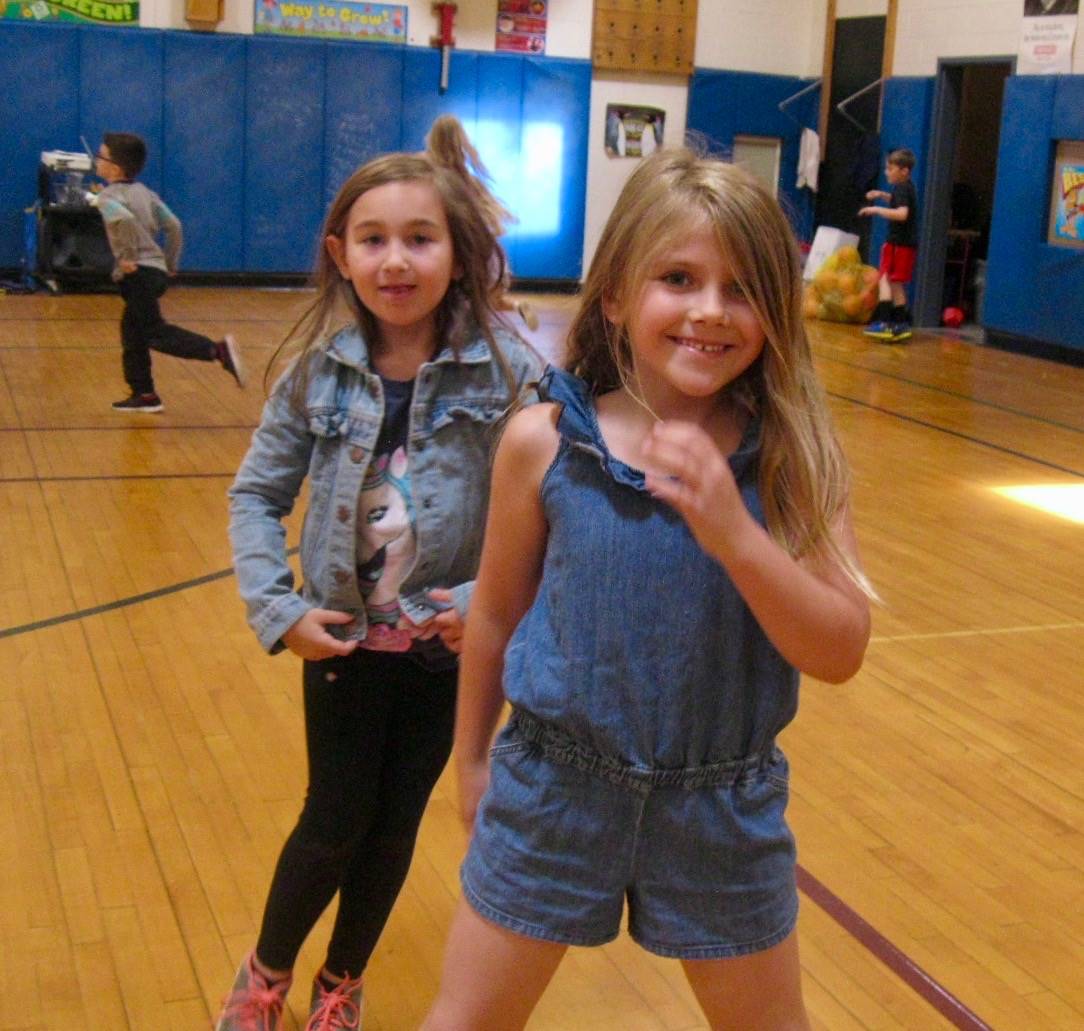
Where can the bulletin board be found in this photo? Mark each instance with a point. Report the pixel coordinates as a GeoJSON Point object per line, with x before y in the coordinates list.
{"type": "Point", "coordinates": [645, 36]}
{"type": "Point", "coordinates": [1065, 226]}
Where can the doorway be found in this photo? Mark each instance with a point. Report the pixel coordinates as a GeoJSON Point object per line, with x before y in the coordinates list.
{"type": "Point", "coordinates": [958, 201]}
{"type": "Point", "coordinates": [852, 155]}
{"type": "Point", "coordinates": [760, 156]}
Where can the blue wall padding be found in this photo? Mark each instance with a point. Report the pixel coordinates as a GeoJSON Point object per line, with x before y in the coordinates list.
{"type": "Point", "coordinates": [120, 89]}
{"type": "Point", "coordinates": [284, 149]}
{"type": "Point", "coordinates": [497, 135]}
{"type": "Point", "coordinates": [1033, 289]}
{"type": "Point", "coordinates": [724, 104]}
{"type": "Point", "coordinates": [251, 136]}
{"type": "Point", "coordinates": [39, 76]}
{"type": "Point", "coordinates": [553, 166]}
{"type": "Point", "coordinates": [362, 103]}
{"type": "Point", "coordinates": [423, 101]}
{"type": "Point", "coordinates": [906, 110]}
{"type": "Point", "coordinates": [203, 149]}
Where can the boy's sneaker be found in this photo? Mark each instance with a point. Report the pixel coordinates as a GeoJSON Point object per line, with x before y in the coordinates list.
{"type": "Point", "coordinates": [255, 1003]}
{"type": "Point", "coordinates": [335, 1007]}
{"type": "Point", "coordinates": [880, 330]}
{"type": "Point", "coordinates": [148, 403]}
{"type": "Point", "coordinates": [229, 354]}
{"type": "Point", "coordinates": [901, 331]}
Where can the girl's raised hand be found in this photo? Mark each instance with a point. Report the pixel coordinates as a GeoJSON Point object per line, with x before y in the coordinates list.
{"type": "Point", "coordinates": [685, 469]}
{"type": "Point", "coordinates": [309, 639]}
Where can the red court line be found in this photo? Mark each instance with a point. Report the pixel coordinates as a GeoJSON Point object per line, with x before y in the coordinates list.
{"type": "Point", "coordinates": [939, 997]}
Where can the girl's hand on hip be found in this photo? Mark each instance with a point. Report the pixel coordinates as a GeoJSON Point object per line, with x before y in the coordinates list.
{"type": "Point", "coordinates": [309, 639]}
{"type": "Point", "coordinates": [448, 624]}
{"type": "Point", "coordinates": [686, 470]}
{"type": "Point", "coordinates": [473, 782]}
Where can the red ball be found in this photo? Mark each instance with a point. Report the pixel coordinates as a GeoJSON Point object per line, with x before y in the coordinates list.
{"type": "Point", "coordinates": [952, 317]}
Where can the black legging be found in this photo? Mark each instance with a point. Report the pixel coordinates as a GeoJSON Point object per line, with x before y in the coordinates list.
{"type": "Point", "coordinates": [142, 329]}
{"type": "Point", "coordinates": [379, 732]}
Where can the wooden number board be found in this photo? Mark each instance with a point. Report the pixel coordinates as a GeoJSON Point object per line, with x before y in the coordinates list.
{"type": "Point", "coordinates": [645, 35]}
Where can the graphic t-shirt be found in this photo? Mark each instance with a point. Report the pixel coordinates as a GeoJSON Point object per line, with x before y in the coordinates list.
{"type": "Point", "coordinates": [386, 541]}
{"type": "Point", "coordinates": [904, 233]}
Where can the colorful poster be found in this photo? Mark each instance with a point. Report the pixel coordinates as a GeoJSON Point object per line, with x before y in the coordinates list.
{"type": "Point", "coordinates": [1066, 227]}
{"type": "Point", "coordinates": [96, 12]}
{"type": "Point", "coordinates": [521, 26]}
{"type": "Point", "coordinates": [633, 131]}
{"type": "Point", "coordinates": [1046, 37]}
{"type": "Point", "coordinates": [333, 19]}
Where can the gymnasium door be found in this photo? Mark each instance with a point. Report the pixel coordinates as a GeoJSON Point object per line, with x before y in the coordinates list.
{"type": "Point", "coordinates": [852, 155]}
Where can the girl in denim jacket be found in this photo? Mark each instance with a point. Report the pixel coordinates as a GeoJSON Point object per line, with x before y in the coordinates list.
{"type": "Point", "coordinates": [669, 544]}
{"type": "Point", "coordinates": [392, 420]}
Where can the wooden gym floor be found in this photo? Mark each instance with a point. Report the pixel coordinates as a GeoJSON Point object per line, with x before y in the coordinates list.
{"type": "Point", "coordinates": [152, 755]}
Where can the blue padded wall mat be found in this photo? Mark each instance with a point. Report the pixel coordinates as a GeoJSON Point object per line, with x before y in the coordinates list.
{"type": "Point", "coordinates": [422, 99]}
{"type": "Point", "coordinates": [497, 136]}
{"type": "Point", "coordinates": [553, 168]}
{"type": "Point", "coordinates": [250, 137]}
{"type": "Point", "coordinates": [284, 148]}
{"type": "Point", "coordinates": [723, 104]}
{"type": "Point", "coordinates": [1030, 283]}
{"type": "Point", "coordinates": [39, 75]}
{"type": "Point", "coordinates": [906, 110]}
{"type": "Point", "coordinates": [204, 146]}
{"type": "Point", "coordinates": [120, 90]}
{"type": "Point", "coordinates": [363, 99]}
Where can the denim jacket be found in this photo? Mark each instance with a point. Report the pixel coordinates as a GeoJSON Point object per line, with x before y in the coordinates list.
{"type": "Point", "coordinates": [330, 439]}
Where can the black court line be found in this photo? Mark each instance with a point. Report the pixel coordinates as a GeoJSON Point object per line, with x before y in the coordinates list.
{"type": "Point", "coordinates": [962, 436]}
{"type": "Point", "coordinates": [905, 968]}
{"type": "Point", "coordinates": [954, 393]}
{"type": "Point", "coordinates": [121, 603]}
{"type": "Point", "coordinates": [153, 427]}
{"type": "Point", "coordinates": [118, 477]}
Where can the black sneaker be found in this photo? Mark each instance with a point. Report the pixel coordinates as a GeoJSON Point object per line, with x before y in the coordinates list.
{"type": "Point", "coordinates": [901, 331]}
{"type": "Point", "coordinates": [229, 354]}
{"type": "Point", "coordinates": [148, 403]}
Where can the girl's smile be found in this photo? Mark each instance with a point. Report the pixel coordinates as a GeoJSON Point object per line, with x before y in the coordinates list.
{"type": "Point", "coordinates": [691, 329]}
{"type": "Point", "coordinates": [397, 252]}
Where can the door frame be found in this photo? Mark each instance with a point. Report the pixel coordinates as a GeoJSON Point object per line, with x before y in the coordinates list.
{"type": "Point", "coordinates": [936, 212]}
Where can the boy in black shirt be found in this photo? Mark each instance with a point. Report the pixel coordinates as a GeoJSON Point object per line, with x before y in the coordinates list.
{"type": "Point", "coordinates": [891, 318]}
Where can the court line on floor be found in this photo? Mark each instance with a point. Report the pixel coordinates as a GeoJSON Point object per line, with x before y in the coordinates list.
{"type": "Point", "coordinates": [158, 428]}
{"type": "Point", "coordinates": [905, 968]}
{"type": "Point", "coordinates": [957, 433]}
{"type": "Point", "coordinates": [936, 634]}
{"type": "Point", "coordinates": [896, 960]}
{"type": "Point", "coordinates": [117, 477]}
{"type": "Point", "coordinates": [953, 393]}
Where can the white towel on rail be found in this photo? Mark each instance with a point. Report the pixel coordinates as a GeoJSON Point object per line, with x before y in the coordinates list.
{"type": "Point", "coordinates": [809, 159]}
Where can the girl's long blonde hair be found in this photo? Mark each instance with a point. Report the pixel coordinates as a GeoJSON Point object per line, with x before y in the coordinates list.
{"type": "Point", "coordinates": [469, 305]}
{"type": "Point", "coordinates": [803, 477]}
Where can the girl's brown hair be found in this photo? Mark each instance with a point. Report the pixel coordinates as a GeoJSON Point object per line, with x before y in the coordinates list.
{"type": "Point", "coordinates": [803, 476]}
{"type": "Point", "coordinates": [468, 306]}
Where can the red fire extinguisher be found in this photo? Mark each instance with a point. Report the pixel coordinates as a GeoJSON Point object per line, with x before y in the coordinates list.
{"type": "Point", "coordinates": [446, 40]}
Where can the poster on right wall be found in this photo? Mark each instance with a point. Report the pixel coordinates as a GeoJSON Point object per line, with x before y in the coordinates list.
{"type": "Point", "coordinates": [1066, 225]}
{"type": "Point", "coordinates": [1046, 37]}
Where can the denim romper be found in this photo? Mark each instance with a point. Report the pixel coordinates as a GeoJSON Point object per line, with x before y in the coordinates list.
{"type": "Point", "coordinates": [639, 762]}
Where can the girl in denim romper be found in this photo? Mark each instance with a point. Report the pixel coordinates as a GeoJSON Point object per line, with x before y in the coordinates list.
{"type": "Point", "coordinates": [392, 421]}
{"type": "Point", "coordinates": [669, 544]}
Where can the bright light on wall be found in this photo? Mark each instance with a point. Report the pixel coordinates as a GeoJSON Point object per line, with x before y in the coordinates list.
{"type": "Point", "coordinates": [1061, 499]}
{"type": "Point", "coordinates": [528, 179]}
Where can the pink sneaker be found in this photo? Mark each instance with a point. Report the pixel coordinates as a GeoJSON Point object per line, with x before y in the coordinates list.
{"type": "Point", "coordinates": [337, 1010]}
{"type": "Point", "coordinates": [254, 1004]}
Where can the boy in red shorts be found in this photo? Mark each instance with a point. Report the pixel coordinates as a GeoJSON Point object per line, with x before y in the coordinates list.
{"type": "Point", "coordinates": [891, 318]}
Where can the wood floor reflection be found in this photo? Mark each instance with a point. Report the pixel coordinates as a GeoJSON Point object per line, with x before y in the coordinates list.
{"type": "Point", "coordinates": [153, 761]}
